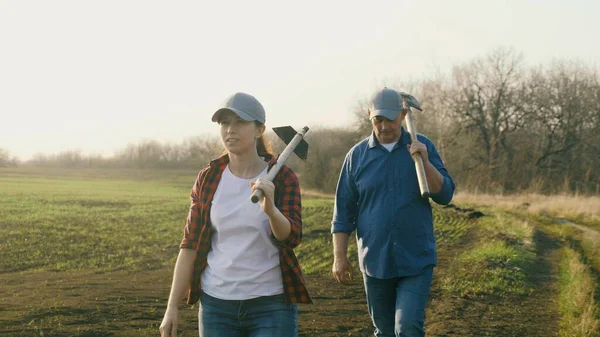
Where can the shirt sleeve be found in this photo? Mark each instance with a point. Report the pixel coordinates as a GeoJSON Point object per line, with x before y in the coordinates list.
{"type": "Point", "coordinates": [444, 196]}
{"type": "Point", "coordinates": [346, 200]}
{"type": "Point", "coordinates": [191, 232]}
{"type": "Point", "coordinates": [289, 203]}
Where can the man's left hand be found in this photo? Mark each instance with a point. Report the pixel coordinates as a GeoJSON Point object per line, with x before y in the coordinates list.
{"type": "Point", "coordinates": [418, 147]}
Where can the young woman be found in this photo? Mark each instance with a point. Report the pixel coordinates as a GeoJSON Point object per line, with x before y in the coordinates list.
{"type": "Point", "coordinates": [237, 257]}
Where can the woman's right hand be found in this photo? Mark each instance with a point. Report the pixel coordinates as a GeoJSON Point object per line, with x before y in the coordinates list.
{"type": "Point", "coordinates": [168, 327]}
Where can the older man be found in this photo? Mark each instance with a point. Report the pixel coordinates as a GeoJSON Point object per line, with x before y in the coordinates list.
{"type": "Point", "coordinates": [378, 196]}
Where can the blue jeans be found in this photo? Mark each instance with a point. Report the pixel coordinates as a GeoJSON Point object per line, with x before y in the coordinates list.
{"type": "Point", "coordinates": [267, 316]}
{"type": "Point", "coordinates": [397, 305]}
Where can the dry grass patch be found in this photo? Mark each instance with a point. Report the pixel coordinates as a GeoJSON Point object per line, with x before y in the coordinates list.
{"type": "Point", "coordinates": [562, 205]}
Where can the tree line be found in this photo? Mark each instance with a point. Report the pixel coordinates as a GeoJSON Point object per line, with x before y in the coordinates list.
{"type": "Point", "coordinates": [500, 125]}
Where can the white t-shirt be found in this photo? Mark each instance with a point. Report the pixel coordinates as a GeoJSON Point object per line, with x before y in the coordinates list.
{"type": "Point", "coordinates": [243, 262]}
{"type": "Point", "coordinates": [389, 146]}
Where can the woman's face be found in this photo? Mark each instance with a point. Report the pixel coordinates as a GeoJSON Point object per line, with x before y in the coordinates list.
{"type": "Point", "coordinates": [238, 136]}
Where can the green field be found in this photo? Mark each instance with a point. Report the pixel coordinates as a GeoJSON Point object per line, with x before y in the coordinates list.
{"type": "Point", "coordinates": [91, 252]}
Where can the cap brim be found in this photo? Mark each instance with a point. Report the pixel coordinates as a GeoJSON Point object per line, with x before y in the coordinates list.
{"type": "Point", "coordinates": [389, 114]}
{"type": "Point", "coordinates": [240, 113]}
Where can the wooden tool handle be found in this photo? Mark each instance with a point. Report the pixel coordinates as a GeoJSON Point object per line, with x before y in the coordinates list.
{"type": "Point", "coordinates": [423, 186]}
{"type": "Point", "coordinates": [256, 195]}
{"type": "Point", "coordinates": [285, 154]}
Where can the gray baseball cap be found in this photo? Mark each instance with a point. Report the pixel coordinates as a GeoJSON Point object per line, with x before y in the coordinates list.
{"type": "Point", "coordinates": [387, 103]}
{"type": "Point", "coordinates": [244, 105]}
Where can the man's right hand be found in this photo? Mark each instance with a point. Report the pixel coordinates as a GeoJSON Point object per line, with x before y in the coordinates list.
{"type": "Point", "coordinates": [342, 270]}
{"type": "Point", "coordinates": [168, 327]}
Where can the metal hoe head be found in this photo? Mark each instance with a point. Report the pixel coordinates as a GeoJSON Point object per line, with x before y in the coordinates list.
{"type": "Point", "coordinates": [411, 101]}
{"type": "Point", "coordinates": [287, 133]}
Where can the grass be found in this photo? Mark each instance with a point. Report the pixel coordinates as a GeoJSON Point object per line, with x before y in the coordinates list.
{"type": "Point", "coordinates": [62, 220]}
{"type": "Point", "coordinates": [580, 258]}
{"type": "Point", "coordinates": [579, 312]}
{"type": "Point", "coordinates": [179, 177]}
{"type": "Point", "coordinates": [64, 235]}
{"type": "Point", "coordinates": [316, 250]}
{"type": "Point", "coordinates": [493, 268]}
{"type": "Point", "coordinates": [497, 263]}
{"type": "Point", "coordinates": [588, 246]}
{"type": "Point", "coordinates": [67, 224]}
{"type": "Point", "coordinates": [450, 225]}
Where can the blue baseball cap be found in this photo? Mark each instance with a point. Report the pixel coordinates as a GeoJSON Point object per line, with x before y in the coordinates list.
{"type": "Point", "coordinates": [386, 103]}
{"type": "Point", "coordinates": [246, 106]}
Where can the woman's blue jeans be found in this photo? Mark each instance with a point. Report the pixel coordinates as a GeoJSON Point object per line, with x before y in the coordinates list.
{"type": "Point", "coordinates": [397, 305]}
{"type": "Point", "coordinates": [267, 316]}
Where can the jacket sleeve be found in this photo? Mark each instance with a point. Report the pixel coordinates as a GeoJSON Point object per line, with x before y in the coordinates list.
{"type": "Point", "coordinates": [444, 196]}
{"type": "Point", "coordinates": [191, 232]}
{"type": "Point", "coordinates": [288, 201]}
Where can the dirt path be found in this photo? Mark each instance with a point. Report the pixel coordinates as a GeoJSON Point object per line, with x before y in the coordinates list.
{"type": "Point", "coordinates": [533, 315]}
{"type": "Point", "coordinates": [590, 233]}
{"type": "Point", "coordinates": [124, 304]}
{"type": "Point", "coordinates": [341, 310]}
{"type": "Point", "coordinates": [338, 310]}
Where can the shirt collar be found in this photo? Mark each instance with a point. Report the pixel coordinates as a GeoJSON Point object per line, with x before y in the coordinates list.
{"type": "Point", "coordinates": [404, 139]}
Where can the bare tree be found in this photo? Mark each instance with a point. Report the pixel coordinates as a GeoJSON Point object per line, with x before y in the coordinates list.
{"type": "Point", "coordinates": [6, 159]}
{"type": "Point", "coordinates": [499, 127]}
{"type": "Point", "coordinates": [485, 97]}
{"type": "Point", "coordinates": [327, 149]}
{"type": "Point", "coordinates": [198, 151]}
{"type": "Point", "coordinates": [361, 117]}
{"type": "Point", "coordinates": [564, 104]}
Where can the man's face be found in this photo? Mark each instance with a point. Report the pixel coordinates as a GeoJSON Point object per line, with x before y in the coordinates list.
{"type": "Point", "coordinates": [386, 130]}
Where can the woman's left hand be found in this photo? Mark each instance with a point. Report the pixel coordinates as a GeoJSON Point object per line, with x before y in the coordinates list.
{"type": "Point", "coordinates": [267, 200]}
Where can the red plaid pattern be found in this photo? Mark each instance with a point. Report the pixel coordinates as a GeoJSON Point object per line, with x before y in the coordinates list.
{"type": "Point", "coordinates": [197, 233]}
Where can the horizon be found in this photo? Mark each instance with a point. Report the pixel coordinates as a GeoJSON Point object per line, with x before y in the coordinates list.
{"type": "Point", "coordinates": [97, 77]}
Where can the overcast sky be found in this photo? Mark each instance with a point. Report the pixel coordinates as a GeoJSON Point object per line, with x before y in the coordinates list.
{"type": "Point", "coordinates": [97, 75]}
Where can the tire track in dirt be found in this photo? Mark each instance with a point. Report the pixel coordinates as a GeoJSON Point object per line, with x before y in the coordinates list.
{"type": "Point", "coordinates": [533, 315]}
{"type": "Point", "coordinates": [590, 233]}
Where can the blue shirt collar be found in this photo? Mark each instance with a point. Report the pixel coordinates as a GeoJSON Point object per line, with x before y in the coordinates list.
{"type": "Point", "coordinates": [404, 139]}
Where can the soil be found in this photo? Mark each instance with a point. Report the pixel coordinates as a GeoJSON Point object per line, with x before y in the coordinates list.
{"type": "Point", "coordinates": [533, 315]}
{"type": "Point", "coordinates": [129, 304]}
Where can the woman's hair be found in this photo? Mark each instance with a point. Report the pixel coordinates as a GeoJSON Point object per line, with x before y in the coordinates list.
{"type": "Point", "coordinates": [262, 145]}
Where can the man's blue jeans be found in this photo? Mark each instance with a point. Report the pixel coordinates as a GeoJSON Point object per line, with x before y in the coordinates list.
{"type": "Point", "coordinates": [397, 305]}
{"type": "Point", "coordinates": [267, 316]}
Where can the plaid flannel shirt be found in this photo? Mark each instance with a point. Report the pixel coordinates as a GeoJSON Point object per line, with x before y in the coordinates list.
{"type": "Point", "coordinates": [198, 230]}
